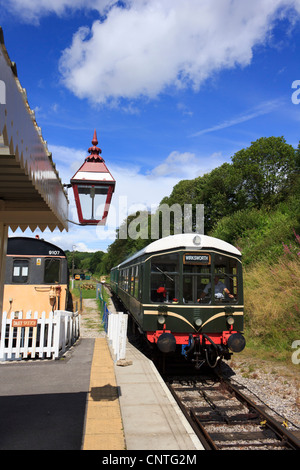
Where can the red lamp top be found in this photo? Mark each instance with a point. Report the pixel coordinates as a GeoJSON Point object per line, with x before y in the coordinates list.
{"type": "Point", "coordinates": [94, 151]}
{"type": "Point", "coordinates": [94, 170]}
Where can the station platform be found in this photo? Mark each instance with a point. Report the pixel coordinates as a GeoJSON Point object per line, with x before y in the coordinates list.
{"type": "Point", "coordinates": [85, 401]}
{"type": "Point", "coordinates": [151, 418]}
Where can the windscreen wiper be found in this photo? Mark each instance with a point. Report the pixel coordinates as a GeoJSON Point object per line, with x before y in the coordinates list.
{"type": "Point", "coordinates": [165, 274]}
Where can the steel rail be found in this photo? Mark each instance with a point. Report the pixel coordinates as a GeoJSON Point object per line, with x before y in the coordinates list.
{"type": "Point", "coordinates": [285, 437]}
{"type": "Point", "coordinates": [200, 431]}
{"type": "Point", "coordinates": [282, 433]}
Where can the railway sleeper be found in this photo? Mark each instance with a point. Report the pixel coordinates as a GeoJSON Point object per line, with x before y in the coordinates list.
{"type": "Point", "coordinates": [230, 437]}
{"type": "Point", "coordinates": [217, 418]}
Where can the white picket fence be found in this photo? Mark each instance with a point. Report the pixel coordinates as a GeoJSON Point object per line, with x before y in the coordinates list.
{"type": "Point", "coordinates": [117, 333]}
{"type": "Point", "coordinates": [27, 336]}
{"type": "Point", "coordinates": [115, 325]}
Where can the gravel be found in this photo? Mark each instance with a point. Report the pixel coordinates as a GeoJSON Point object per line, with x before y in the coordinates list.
{"type": "Point", "coordinates": [272, 384]}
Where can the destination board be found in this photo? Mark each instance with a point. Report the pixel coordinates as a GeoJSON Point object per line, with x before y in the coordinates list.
{"type": "Point", "coordinates": [196, 258]}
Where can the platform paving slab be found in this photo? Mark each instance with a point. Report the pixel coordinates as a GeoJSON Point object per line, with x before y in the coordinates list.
{"type": "Point", "coordinates": [103, 423]}
{"type": "Point", "coordinates": [151, 418]}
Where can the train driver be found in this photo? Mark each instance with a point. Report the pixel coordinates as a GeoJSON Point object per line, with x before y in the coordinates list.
{"type": "Point", "coordinates": [220, 290]}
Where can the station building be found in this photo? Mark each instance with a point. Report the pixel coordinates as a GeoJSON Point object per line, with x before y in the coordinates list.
{"type": "Point", "coordinates": [31, 192]}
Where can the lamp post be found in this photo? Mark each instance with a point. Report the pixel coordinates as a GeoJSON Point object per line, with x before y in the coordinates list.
{"type": "Point", "coordinates": [93, 187]}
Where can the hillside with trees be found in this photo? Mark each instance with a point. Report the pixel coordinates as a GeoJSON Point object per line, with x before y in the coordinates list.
{"type": "Point", "coordinates": [239, 198]}
{"type": "Point", "coordinates": [85, 262]}
{"type": "Point", "coordinates": [253, 203]}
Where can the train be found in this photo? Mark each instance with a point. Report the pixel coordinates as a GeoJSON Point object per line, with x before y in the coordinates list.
{"type": "Point", "coordinates": [36, 277]}
{"type": "Point", "coordinates": [184, 293]}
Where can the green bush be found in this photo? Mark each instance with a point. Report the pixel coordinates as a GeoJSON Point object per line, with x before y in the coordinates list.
{"type": "Point", "coordinates": [260, 234]}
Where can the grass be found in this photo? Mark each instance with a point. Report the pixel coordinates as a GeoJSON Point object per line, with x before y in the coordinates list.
{"type": "Point", "coordinates": [270, 245]}
{"type": "Point", "coordinates": [88, 290]}
{"type": "Point", "coordinates": [260, 234]}
{"type": "Point", "coordinates": [93, 324]}
{"type": "Point", "coordinates": [272, 305]}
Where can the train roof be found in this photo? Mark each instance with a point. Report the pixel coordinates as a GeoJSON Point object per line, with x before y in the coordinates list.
{"type": "Point", "coordinates": [186, 241]}
{"type": "Point", "coordinates": [32, 247]}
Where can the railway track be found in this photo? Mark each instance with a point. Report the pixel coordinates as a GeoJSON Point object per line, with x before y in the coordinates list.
{"type": "Point", "coordinates": [220, 412]}
{"type": "Point", "coordinates": [225, 418]}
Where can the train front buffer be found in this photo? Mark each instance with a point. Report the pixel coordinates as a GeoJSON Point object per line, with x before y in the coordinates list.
{"type": "Point", "coordinates": [208, 341]}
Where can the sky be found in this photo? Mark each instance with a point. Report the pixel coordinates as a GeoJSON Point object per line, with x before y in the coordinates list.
{"type": "Point", "coordinates": [173, 88]}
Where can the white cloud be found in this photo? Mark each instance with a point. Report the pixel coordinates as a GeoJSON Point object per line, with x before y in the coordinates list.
{"type": "Point", "coordinates": [141, 47]}
{"type": "Point", "coordinates": [185, 164]}
{"type": "Point", "coordinates": [32, 10]}
{"type": "Point", "coordinates": [150, 45]}
{"type": "Point", "coordinates": [264, 108]}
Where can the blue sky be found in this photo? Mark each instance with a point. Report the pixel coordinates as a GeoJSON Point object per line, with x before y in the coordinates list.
{"type": "Point", "coordinates": [174, 88]}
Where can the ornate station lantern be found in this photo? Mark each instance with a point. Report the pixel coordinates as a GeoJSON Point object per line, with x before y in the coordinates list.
{"type": "Point", "coordinates": [93, 186]}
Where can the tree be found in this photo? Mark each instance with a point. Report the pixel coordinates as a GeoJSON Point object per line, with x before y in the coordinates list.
{"type": "Point", "coordinates": [266, 168]}
{"type": "Point", "coordinates": [219, 191]}
{"type": "Point", "coordinates": [95, 261]}
{"type": "Point", "coordinates": [297, 159]}
{"type": "Point", "coordinates": [221, 194]}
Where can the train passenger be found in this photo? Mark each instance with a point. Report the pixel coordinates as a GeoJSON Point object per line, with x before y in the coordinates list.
{"type": "Point", "coordinates": [161, 294]}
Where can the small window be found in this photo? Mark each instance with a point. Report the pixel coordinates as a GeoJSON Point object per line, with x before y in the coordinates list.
{"type": "Point", "coordinates": [131, 277]}
{"type": "Point", "coordinates": [52, 271]}
{"type": "Point", "coordinates": [136, 282]}
{"type": "Point", "coordinates": [20, 271]}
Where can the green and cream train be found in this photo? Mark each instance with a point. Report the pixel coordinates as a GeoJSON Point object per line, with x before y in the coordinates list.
{"type": "Point", "coordinates": [186, 292]}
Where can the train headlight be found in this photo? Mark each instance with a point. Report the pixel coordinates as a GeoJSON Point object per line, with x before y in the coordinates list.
{"type": "Point", "coordinates": [230, 320]}
{"type": "Point", "coordinates": [161, 319]}
{"type": "Point", "coordinates": [198, 322]}
{"type": "Point", "coordinates": [197, 240]}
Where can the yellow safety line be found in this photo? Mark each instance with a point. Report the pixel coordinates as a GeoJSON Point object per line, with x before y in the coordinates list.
{"type": "Point", "coordinates": [103, 427]}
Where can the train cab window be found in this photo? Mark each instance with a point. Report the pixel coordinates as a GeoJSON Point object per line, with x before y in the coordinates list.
{"type": "Point", "coordinates": [165, 278]}
{"type": "Point", "coordinates": [195, 281]}
{"type": "Point", "coordinates": [20, 271]}
{"type": "Point", "coordinates": [226, 271]}
{"type": "Point", "coordinates": [52, 271]}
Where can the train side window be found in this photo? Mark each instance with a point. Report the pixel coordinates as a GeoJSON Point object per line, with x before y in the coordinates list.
{"type": "Point", "coordinates": [52, 270]}
{"type": "Point", "coordinates": [131, 278]}
{"type": "Point", "coordinates": [20, 271]}
{"type": "Point", "coordinates": [136, 282]}
{"type": "Point", "coordinates": [125, 281]}
{"type": "Point", "coordinates": [122, 280]}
